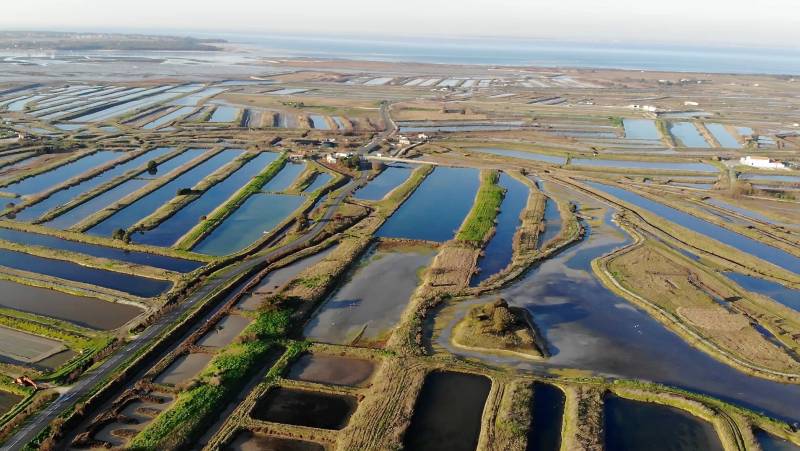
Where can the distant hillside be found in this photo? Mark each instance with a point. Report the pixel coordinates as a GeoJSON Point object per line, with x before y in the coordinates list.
{"type": "Point", "coordinates": [42, 40]}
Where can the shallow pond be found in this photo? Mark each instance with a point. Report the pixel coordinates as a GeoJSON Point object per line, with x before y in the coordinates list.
{"type": "Point", "coordinates": [169, 117]}
{"type": "Point", "coordinates": [552, 222]}
{"type": "Point", "coordinates": [305, 408]}
{"type": "Point", "coordinates": [722, 135]}
{"type": "Point", "coordinates": [771, 177]}
{"type": "Point", "coordinates": [142, 258]}
{"type": "Point", "coordinates": [391, 177]}
{"type": "Point", "coordinates": [285, 178]}
{"type": "Point", "coordinates": [741, 210]}
{"type": "Point", "coordinates": [83, 311]}
{"type": "Point", "coordinates": [107, 198]}
{"type": "Point", "coordinates": [224, 114]}
{"type": "Point", "coordinates": [224, 332]}
{"type": "Point", "coordinates": [149, 203]}
{"type": "Point", "coordinates": [259, 214]}
{"type": "Point", "coordinates": [786, 296]}
{"type": "Point", "coordinates": [127, 283]}
{"type": "Point", "coordinates": [687, 134]}
{"type": "Point", "coordinates": [448, 411]}
{"type": "Point", "coordinates": [654, 165]}
{"type": "Point", "coordinates": [328, 369]}
{"type": "Point", "coordinates": [116, 109]}
{"type": "Point", "coordinates": [632, 425]}
{"type": "Point", "coordinates": [641, 129]}
{"type": "Point", "coordinates": [547, 415]}
{"type": "Point", "coordinates": [60, 174]}
{"type": "Point", "coordinates": [498, 252]}
{"type": "Point", "coordinates": [249, 441]}
{"type": "Point", "coordinates": [370, 303]}
{"type": "Point", "coordinates": [320, 180]}
{"type": "Point", "coordinates": [553, 159]}
{"type": "Point", "coordinates": [769, 442]}
{"type": "Point", "coordinates": [318, 122]}
{"type": "Point", "coordinates": [276, 279]}
{"type": "Point", "coordinates": [748, 245]}
{"type": "Point", "coordinates": [184, 368]}
{"type": "Point", "coordinates": [437, 208]}
{"type": "Point", "coordinates": [177, 225]}
{"type": "Point", "coordinates": [63, 196]}
{"type": "Point", "coordinates": [8, 401]}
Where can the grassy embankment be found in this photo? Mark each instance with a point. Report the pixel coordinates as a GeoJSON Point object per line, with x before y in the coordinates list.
{"type": "Point", "coordinates": [479, 224]}
{"type": "Point", "coordinates": [226, 209]}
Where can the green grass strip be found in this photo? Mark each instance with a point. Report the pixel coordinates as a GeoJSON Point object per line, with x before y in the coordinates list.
{"type": "Point", "coordinates": [484, 211]}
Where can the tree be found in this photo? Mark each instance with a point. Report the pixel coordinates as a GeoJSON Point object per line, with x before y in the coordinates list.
{"type": "Point", "coordinates": [152, 167]}
{"type": "Point", "coordinates": [119, 234]}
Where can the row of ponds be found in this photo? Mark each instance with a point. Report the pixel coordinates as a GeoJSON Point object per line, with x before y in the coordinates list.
{"type": "Point", "coordinates": [600, 163]}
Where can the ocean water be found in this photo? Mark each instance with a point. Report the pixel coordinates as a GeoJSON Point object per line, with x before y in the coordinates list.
{"type": "Point", "coordinates": [521, 52]}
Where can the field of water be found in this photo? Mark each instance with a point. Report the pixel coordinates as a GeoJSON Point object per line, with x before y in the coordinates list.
{"type": "Point", "coordinates": [369, 304]}
{"type": "Point", "coordinates": [447, 413]}
{"type": "Point", "coordinates": [588, 327]}
{"type": "Point", "coordinates": [169, 231]}
{"type": "Point", "coordinates": [150, 202]}
{"type": "Point", "coordinates": [259, 214]}
{"type": "Point", "coordinates": [169, 117]}
{"type": "Point", "coordinates": [748, 245]}
{"type": "Point", "coordinates": [108, 198]}
{"type": "Point", "coordinates": [771, 177]}
{"type": "Point", "coordinates": [653, 165]}
{"type": "Point", "coordinates": [320, 180]}
{"type": "Point", "coordinates": [325, 369]}
{"type": "Point", "coordinates": [285, 178]}
{"type": "Point", "coordinates": [722, 135]}
{"type": "Point", "coordinates": [127, 283]}
{"type": "Point", "coordinates": [142, 258]}
{"type": "Point", "coordinates": [305, 408]}
{"type": "Point", "coordinates": [60, 174]}
{"type": "Point", "coordinates": [633, 426]}
{"type": "Point", "coordinates": [547, 416]}
{"type": "Point", "coordinates": [63, 196]}
{"type": "Point", "coordinates": [641, 129]}
{"type": "Point", "coordinates": [83, 311]}
{"type": "Point", "coordinates": [224, 114]}
{"type": "Point", "coordinates": [437, 208]}
{"type": "Point", "coordinates": [687, 135]}
{"type": "Point", "coordinates": [389, 179]}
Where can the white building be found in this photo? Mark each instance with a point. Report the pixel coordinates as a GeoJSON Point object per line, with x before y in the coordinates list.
{"type": "Point", "coordinates": [403, 141]}
{"type": "Point", "coordinates": [422, 137]}
{"type": "Point", "coordinates": [761, 162]}
{"type": "Point", "coordinates": [649, 108]}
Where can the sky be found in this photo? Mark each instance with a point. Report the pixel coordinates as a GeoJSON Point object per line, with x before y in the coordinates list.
{"type": "Point", "coordinates": [762, 23]}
